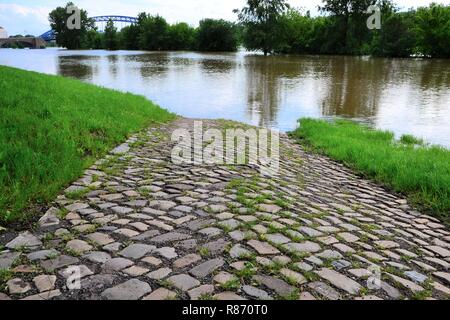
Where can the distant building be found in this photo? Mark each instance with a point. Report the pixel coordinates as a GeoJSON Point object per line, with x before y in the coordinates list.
{"type": "Point", "coordinates": [3, 33]}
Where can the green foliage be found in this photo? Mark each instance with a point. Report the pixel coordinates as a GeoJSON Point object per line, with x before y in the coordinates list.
{"type": "Point", "coordinates": [433, 30]}
{"type": "Point", "coordinates": [261, 21]}
{"type": "Point", "coordinates": [94, 40]}
{"type": "Point", "coordinates": [70, 39]}
{"type": "Point", "coordinates": [343, 31]}
{"type": "Point", "coordinates": [110, 36]}
{"type": "Point", "coordinates": [396, 37]}
{"type": "Point", "coordinates": [216, 35]}
{"type": "Point", "coordinates": [153, 32]}
{"type": "Point", "coordinates": [272, 27]}
{"type": "Point", "coordinates": [51, 128]}
{"type": "Point", "coordinates": [181, 36]}
{"type": "Point", "coordinates": [420, 172]}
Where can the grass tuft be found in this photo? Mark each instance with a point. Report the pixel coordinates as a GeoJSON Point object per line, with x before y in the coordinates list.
{"type": "Point", "coordinates": [51, 128]}
{"type": "Point", "coordinates": [420, 172]}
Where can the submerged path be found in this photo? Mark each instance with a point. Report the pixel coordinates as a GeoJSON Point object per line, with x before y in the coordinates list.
{"type": "Point", "coordinates": [138, 226]}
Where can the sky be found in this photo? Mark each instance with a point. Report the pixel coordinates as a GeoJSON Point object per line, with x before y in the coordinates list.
{"type": "Point", "coordinates": [31, 16]}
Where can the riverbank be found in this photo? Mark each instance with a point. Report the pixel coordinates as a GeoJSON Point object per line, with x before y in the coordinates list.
{"type": "Point", "coordinates": [152, 229]}
{"type": "Point", "coordinates": [407, 166]}
{"type": "Point", "coordinates": [51, 128]}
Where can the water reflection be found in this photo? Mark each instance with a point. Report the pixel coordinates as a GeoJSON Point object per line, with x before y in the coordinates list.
{"type": "Point", "coordinates": [404, 95]}
{"type": "Point", "coordinates": [70, 66]}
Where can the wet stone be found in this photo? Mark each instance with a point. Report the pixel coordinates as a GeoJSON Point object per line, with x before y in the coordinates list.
{"type": "Point", "coordinates": [24, 240]}
{"type": "Point", "coordinates": [270, 208]}
{"type": "Point", "coordinates": [228, 296]}
{"type": "Point", "coordinates": [183, 282]}
{"type": "Point", "coordinates": [339, 280]}
{"type": "Point", "coordinates": [169, 237]}
{"type": "Point", "coordinates": [44, 282]}
{"type": "Point", "coordinates": [18, 286]}
{"type": "Point", "coordinates": [340, 264]}
{"type": "Point", "coordinates": [7, 259]}
{"type": "Point", "coordinates": [330, 255]}
{"type": "Point", "coordinates": [161, 294]}
{"type": "Point", "coordinates": [224, 277]}
{"type": "Point", "coordinates": [416, 277]}
{"type": "Point", "coordinates": [277, 238]}
{"type": "Point", "coordinates": [117, 264]}
{"type": "Point", "coordinates": [135, 271]}
{"type": "Point", "coordinates": [113, 247]}
{"type": "Point", "coordinates": [58, 262]}
{"type": "Point", "coordinates": [131, 290]}
{"type": "Point", "coordinates": [42, 255]}
{"type": "Point", "coordinates": [198, 292]}
{"type": "Point", "coordinates": [206, 268]}
{"type": "Point", "coordinates": [406, 283]}
{"type": "Point", "coordinates": [127, 232]}
{"type": "Point", "coordinates": [166, 252]}
{"type": "Point", "coordinates": [229, 224]}
{"type": "Point", "coordinates": [186, 261]}
{"type": "Point", "coordinates": [136, 251]}
{"type": "Point", "coordinates": [238, 251]}
{"type": "Point", "coordinates": [305, 247]}
{"type": "Point", "coordinates": [277, 285]}
{"type": "Point", "coordinates": [97, 257]}
{"type": "Point", "coordinates": [443, 276]}
{"type": "Point", "coordinates": [159, 274]}
{"type": "Point", "coordinates": [79, 246]}
{"type": "Point", "coordinates": [256, 293]}
{"type": "Point", "coordinates": [263, 247]}
{"type": "Point", "coordinates": [210, 232]}
{"type": "Point", "coordinates": [293, 276]}
{"type": "Point", "coordinates": [216, 247]}
{"type": "Point", "coordinates": [101, 239]}
{"type": "Point", "coordinates": [80, 270]}
{"type": "Point", "coordinates": [324, 290]}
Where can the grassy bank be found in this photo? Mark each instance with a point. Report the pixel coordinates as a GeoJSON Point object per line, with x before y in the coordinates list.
{"type": "Point", "coordinates": [51, 128]}
{"type": "Point", "coordinates": [407, 166]}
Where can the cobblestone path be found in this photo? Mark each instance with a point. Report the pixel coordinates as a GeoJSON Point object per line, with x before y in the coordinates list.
{"type": "Point", "coordinates": [138, 226]}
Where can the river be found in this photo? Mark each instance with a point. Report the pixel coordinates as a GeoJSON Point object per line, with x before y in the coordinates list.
{"type": "Point", "coordinates": [407, 96]}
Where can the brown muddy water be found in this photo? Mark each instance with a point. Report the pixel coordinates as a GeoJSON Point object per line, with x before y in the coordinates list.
{"type": "Point", "coordinates": [407, 96]}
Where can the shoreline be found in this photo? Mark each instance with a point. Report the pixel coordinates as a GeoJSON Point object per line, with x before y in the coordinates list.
{"type": "Point", "coordinates": [188, 232]}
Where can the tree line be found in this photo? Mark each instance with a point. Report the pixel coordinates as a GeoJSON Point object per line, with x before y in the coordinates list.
{"type": "Point", "coordinates": [151, 32]}
{"type": "Point", "coordinates": [273, 27]}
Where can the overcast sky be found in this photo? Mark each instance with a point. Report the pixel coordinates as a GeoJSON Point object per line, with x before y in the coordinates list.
{"type": "Point", "coordinates": [31, 16]}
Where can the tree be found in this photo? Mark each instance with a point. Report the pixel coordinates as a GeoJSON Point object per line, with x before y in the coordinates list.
{"type": "Point", "coordinates": [153, 32]}
{"type": "Point", "coordinates": [130, 37]}
{"type": "Point", "coordinates": [70, 38]}
{"type": "Point", "coordinates": [296, 32]}
{"type": "Point", "coordinates": [349, 17]}
{"type": "Point", "coordinates": [216, 35]}
{"type": "Point", "coordinates": [433, 30]}
{"type": "Point", "coordinates": [181, 36]}
{"type": "Point", "coordinates": [110, 36]}
{"type": "Point", "coordinates": [94, 40]}
{"type": "Point", "coordinates": [261, 21]}
{"type": "Point", "coordinates": [396, 37]}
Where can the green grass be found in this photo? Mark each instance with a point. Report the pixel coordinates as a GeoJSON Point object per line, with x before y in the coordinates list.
{"type": "Point", "coordinates": [51, 128]}
{"type": "Point", "coordinates": [420, 172]}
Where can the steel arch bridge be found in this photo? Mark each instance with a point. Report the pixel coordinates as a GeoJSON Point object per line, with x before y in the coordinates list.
{"type": "Point", "coordinates": [50, 35]}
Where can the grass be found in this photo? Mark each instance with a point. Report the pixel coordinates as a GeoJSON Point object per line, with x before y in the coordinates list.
{"type": "Point", "coordinates": [420, 172]}
{"type": "Point", "coordinates": [51, 128]}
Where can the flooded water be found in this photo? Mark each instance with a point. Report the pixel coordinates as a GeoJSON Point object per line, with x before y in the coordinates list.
{"type": "Point", "coordinates": [407, 96]}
